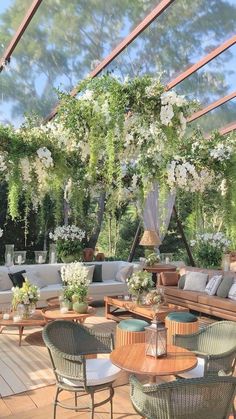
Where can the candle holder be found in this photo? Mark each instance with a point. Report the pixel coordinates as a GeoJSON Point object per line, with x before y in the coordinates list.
{"type": "Point", "coordinates": [40, 256]}
{"type": "Point", "coordinates": [52, 253]}
{"type": "Point", "coordinates": [9, 255]}
{"type": "Point", "coordinates": [19, 257]}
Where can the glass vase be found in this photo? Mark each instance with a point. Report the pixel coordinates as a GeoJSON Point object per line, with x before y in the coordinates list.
{"type": "Point", "coordinates": [19, 257]}
{"type": "Point", "coordinates": [9, 254]}
{"type": "Point", "coordinates": [52, 253]}
{"type": "Point", "coordinates": [40, 256]}
{"type": "Point", "coordinates": [25, 311]}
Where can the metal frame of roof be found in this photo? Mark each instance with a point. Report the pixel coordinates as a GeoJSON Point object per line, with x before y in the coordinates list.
{"type": "Point", "coordinates": [157, 11]}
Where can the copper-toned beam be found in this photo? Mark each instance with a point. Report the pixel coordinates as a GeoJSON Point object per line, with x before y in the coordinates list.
{"type": "Point", "coordinates": [21, 29]}
{"type": "Point", "coordinates": [212, 106]}
{"type": "Point", "coordinates": [223, 131]}
{"type": "Point", "coordinates": [209, 57]}
{"type": "Point", "coordinates": [160, 8]}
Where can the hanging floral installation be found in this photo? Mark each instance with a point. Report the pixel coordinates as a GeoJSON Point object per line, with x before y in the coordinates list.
{"type": "Point", "coordinates": [115, 138]}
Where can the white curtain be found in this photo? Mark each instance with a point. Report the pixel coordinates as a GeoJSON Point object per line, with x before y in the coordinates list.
{"type": "Point", "coordinates": [157, 210]}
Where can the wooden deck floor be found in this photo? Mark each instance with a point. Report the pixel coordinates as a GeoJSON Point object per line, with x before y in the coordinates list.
{"type": "Point", "coordinates": [37, 404]}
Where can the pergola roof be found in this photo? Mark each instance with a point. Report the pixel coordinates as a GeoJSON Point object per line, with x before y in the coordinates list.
{"type": "Point", "coordinates": [55, 43]}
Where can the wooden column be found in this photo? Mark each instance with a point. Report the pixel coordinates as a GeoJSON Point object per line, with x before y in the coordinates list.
{"type": "Point", "coordinates": [181, 230]}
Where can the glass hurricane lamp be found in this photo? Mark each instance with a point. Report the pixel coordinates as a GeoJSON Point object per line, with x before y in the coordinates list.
{"type": "Point", "coordinates": [156, 340]}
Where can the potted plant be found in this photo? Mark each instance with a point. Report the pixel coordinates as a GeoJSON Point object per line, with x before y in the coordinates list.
{"type": "Point", "coordinates": [68, 242]}
{"type": "Point", "coordinates": [76, 283]}
{"type": "Point", "coordinates": [25, 298]}
{"type": "Point", "coordinates": [152, 259]}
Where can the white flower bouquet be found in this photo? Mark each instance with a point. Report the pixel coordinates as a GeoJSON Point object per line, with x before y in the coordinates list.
{"type": "Point", "coordinates": [28, 294]}
{"type": "Point", "coordinates": [68, 240]}
{"type": "Point", "coordinates": [208, 249]}
{"type": "Point", "coordinates": [75, 279]}
{"type": "Point", "coordinates": [139, 282]}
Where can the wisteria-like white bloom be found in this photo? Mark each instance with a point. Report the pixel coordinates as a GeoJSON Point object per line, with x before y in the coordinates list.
{"type": "Point", "coordinates": [87, 95]}
{"type": "Point", "coordinates": [105, 111]}
{"type": "Point", "coordinates": [67, 190]}
{"type": "Point", "coordinates": [42, 176]}
{"type": "Point", "coordinates": [69, 232]}
{"type": "Point", "coordinates": [166, 114]}
{"type": "Point", "coordinates": [25, 169]}
{"type": "Point", "coordinates": [3, 165]}
{"type": "Point", "coordinates": [1, 232]}
{"type": "Point", "coordinates": [223, 187]}
{"type": "Point", "coordinates": [45, 156]}
{"type": "Point", "coordinates": [221, 152]}
{"type": "Point", "coordinates": [183, 124]}
{"type": "Point", "coordinates": [168, 98]}
{"type": "Point", "coordinates": [185, 176]}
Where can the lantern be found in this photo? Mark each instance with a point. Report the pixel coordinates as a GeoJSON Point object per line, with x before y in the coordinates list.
{"type": "Point", "coordinates": [156, 340]}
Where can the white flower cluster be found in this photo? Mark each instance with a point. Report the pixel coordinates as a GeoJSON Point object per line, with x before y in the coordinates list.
{"type": "Point", "coordinates": [25, 169]}
{"type": "Point", "coordinates": [45, 156]}
{"type": "Point", "coordinates": [221, 152]}
{"type": "Point", "coordinates": [1, 232]}
{"type": "Point", "coordinates": [75, 274]}
{"type": "Point", "coordinates": [140, 281]}
{"type": "Point", "coordinates": [216, 240]}
{"type": "Point", "coordinates": [168, 100]}
{"type": "Point", "coordinates": [3, 165]}
{"type": "Point", "coordinates": [70, 232]}
{"type": "Point", "coordinates": [185, 176]}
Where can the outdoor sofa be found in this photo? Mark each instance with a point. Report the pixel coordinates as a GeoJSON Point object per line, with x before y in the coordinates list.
{"type": "Point", "coordinates": [215, 305]}
{"type": "Point", "coordinates": [48, 277]}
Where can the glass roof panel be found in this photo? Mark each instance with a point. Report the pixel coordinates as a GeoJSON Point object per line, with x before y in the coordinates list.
{"type": "Point", "coordinates": [63, 42]}
{"type": "Point", "coordinates": [11, 14]}
{"type": "Point", "coordinates": [178, 38]}
{"type": "Point", "coordinates": [213, 81]}
{"type": "Point", "coordinates": [217, 118]}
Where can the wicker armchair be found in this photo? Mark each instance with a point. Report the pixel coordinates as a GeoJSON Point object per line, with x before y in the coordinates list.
{"type": "Point", "coordinates": [215, 347]}
{"type": "Point", "coordinates": [68, 344]}
{"type": "Point", "coordinates": [199, 398]}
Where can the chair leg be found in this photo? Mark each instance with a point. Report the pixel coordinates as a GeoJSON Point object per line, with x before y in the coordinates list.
{"type": "Point", "coordinates": [76, 404]}
{"type": "Point", "coordinates": [55, 403]}
{"type": "Point", "coordinates": [111, 401]}
{"type": "Point", "coordinates": [92, 406]}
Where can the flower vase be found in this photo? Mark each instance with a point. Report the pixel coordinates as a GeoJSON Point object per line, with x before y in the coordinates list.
{"type": "Point", "coordinates": [80, 307]}
{"type": "Point", "coordinates": [24, 311]}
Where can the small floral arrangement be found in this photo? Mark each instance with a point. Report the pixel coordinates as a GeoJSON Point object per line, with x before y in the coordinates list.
{"type": "Point", "coordinates": [208, 248]}
{"type": "Point", "coordinates": [152, 259]}
{"type": "Point", "coordinates": [68, 240]}
{"type": "Point", "coordinates": [139, 282]}
{"type": "Point", "coordinates": [28, 294]}
{"type": "Point", "coordinates": [75, 279]}
{"type": "Point", "coordinates": [155, 297]}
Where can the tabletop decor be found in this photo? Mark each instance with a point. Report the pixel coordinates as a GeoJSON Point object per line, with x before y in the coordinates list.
{"type": "Point", "coordinates": [25, 298]}
{"type": "Point", "coordinates": [152, 259]}
{"type": "Point", "coordinates": [139, 283]}
{"type": "Point", "coordinates": [75, 279]}
{"type": "Point", "coordinates": [155, 298]}
{"type": "Point", "coordinates": [68, 241]}
{"type": "Point", "coordinates": [156, 334]}
{"type": "Point", "coordinates": [208, 249]}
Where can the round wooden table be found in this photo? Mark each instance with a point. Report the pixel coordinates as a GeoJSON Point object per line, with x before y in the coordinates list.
{"type": "Point", "coordinates": [33, 321]}
{"type": "Point", "coordinates": [132, 358]}
{"type": "Point", "coordinates": [54, 313]}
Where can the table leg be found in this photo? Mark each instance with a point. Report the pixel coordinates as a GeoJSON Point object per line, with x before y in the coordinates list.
{"type": "Point", "coordinates": [1, 328]}
{"type": "Point", "coordinates": [21, 329]}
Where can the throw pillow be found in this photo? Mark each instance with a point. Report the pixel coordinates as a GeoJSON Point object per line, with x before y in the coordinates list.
{"type": "Point", "coordinates": [97, 273]}
{"type": "Point", "coordinates": [232, 292]}
{"type": "Point", "coordinates": [169, 278]}
{"type": "Point", "coordinates": [213, 284]}
{"type": "Point", "coordinates": [124, 273]}
{"type": "Point", "coordinates": [224, 287]}
{"type": "Point", "coordinates": [181, 281]}
{"type": "Point", "coordinates": [17, 278]}
{"type": "Point", "coordinates": [195, 281]}
{"type": "Point", "coordinates": [34, 279]}
{"type": "Point", "coordinates": [5, 282]}
{"type": "Point", "coordinates": [90, 271]}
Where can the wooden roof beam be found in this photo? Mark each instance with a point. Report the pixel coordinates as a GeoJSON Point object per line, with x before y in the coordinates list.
{"type": "Point", "coordinates": [211, 107]}
{"type": "Point", "coordinates": [21, 29]}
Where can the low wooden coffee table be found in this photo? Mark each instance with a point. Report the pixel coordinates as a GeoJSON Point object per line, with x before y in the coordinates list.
{"type": "Point", "coordinates": [118, 307]}
{"type": "Point", "coordinates": [54, 313]}
{"type": "Point", "coordinates": [34, 321]}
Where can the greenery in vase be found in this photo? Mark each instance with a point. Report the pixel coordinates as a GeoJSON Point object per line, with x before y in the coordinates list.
{"type": "Point", "coordinates": [27, 294]}
{"type": "Point", "coordinates": [68, 240]}
{"type": "Point", "coordinates": [208, 249]}
{"type": "Point", "coordinates": [76, 282]}
{"type": "Point", "coordinates": [152, 259]}
{"type": "Point", "coordinates": [155, 297]}
{"type": "Point", "coordinates": [139, 282]}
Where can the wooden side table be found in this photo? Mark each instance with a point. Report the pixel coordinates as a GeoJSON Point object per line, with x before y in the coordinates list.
{"type": "Point", "coordinates": [157, 269]}
{"type": "Point", "coordinates": [54, 313]}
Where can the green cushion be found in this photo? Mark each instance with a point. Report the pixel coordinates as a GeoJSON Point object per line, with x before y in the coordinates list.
{"type": "Point", "coordinates": [181, 281]}
{"type": "Point", "coordinates": [133, 325]}
{"type": "Point", "coordinates": [97, 273]}
{"type": "Point", "coordinates": [182, 317]}
{"type": "Point", "coordinates": [224, 287]}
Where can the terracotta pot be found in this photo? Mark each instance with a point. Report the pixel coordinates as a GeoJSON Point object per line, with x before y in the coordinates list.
{"type": "Point", "coordinates": [88, 254]}
{"type": "Point", "coordinates": [100, 256]}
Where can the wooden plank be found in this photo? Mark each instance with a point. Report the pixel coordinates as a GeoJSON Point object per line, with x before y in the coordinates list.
{"type": "Point", "coordinates": [4, 410]}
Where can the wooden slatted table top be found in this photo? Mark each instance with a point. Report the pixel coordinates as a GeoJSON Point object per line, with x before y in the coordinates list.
{"type": "Point", "coordinates": [35, 320]}
{"type": "Point", "coordinates": [132, 358]}
{"type": "Point", "coordinates": [54, 313]}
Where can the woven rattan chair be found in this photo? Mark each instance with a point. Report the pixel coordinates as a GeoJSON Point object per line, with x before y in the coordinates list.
{"type": "Point", "coordinates": [198, 398]}
{"type": "Point", "coordinates": [68, 344]}
{"type": "Point", "coordinates": [215, 347]}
